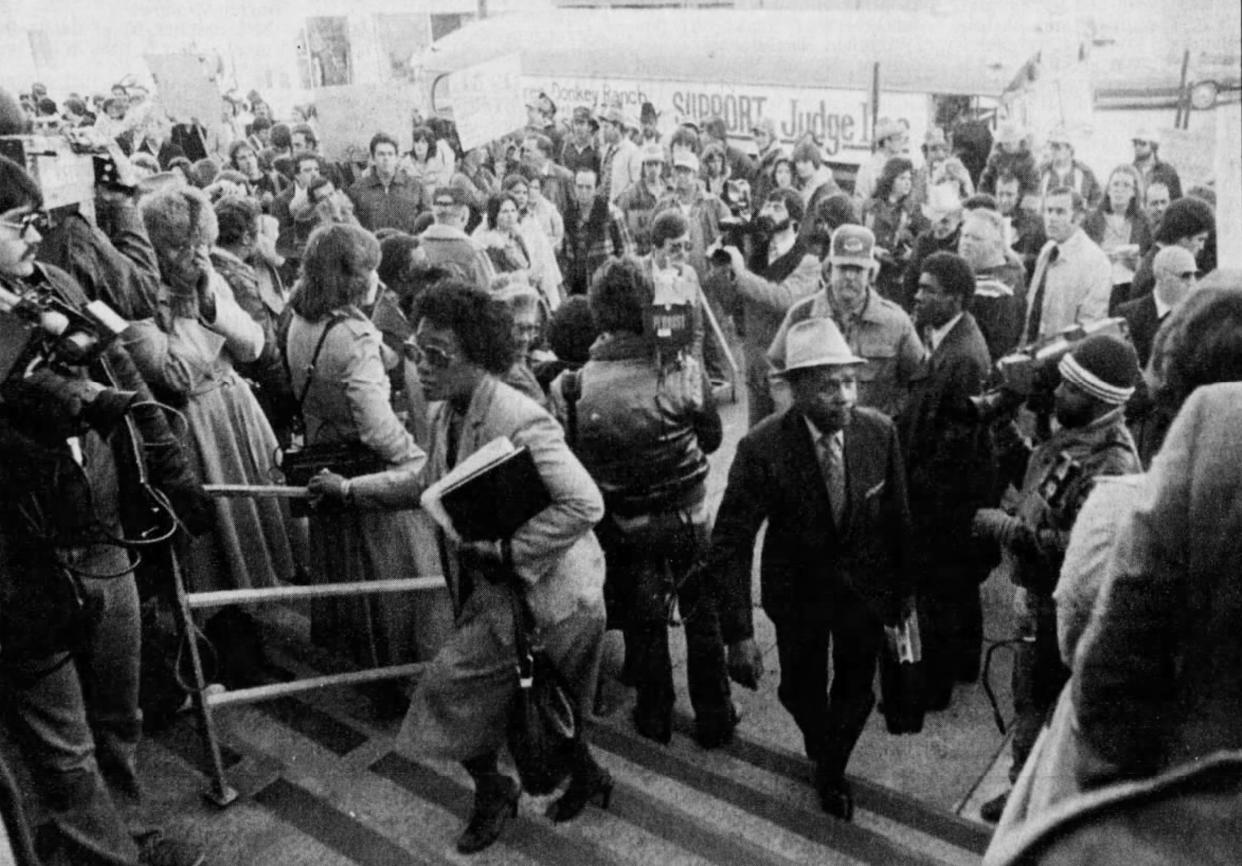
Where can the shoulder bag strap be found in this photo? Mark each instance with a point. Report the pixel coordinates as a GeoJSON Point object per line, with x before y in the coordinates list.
{"type": "Point", "coordinates": [523, 623]}
{"type": "Point", "coordinates": [310, 368]}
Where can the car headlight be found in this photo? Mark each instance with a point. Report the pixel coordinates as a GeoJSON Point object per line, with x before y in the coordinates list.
{"type": "Point", "coordinates": [1203, 95]}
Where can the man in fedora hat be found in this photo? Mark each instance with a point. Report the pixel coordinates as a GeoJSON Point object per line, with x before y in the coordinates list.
{"type": "Point", "coordinates": [827, 476]}
{"type": "Point", "coordinates": [876, 329]}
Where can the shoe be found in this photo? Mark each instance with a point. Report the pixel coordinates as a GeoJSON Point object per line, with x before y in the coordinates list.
{"type": "Point", "coordinates": [592, 785]}
{"type": "Point", "coordinates": [160, 850]}
{"type": "Point", "coordinates": [710, 732]}
{"type": "Point", "coordinates": [836, 797]}
{"type": "Point", "coordinates": [655, 727]}
{"type": "Point", "coordinates": [992, 810]}
{"type": "Point", "coordinates": [495, 802]}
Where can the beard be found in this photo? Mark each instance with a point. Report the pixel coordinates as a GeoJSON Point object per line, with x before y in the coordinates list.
{"type": "Point", "coordinates": [1072, 418]}
{"type": "Point", "coordinates": [770, 227]}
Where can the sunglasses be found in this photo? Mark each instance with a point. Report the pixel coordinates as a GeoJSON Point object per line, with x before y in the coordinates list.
{"type": "Point", "coordinates": [36, 220]}
{"type": "Point", "coordinates": [677, 246]}
{"type": "Point", "coordinates": [436, 357]}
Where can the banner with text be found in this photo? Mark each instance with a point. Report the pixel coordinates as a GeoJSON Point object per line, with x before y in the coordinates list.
{"type": "Point", "coordinates": [841, 119]}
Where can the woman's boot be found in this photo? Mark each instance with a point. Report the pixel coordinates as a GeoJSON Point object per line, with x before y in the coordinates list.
{"type": "Point", "coordinates": [590, 783]}
{"type": "Point", "coordinates": [495, 802]}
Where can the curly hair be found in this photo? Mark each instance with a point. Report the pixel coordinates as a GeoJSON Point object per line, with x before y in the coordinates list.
{"type": "Point", "coordinates": [667, 225]}
{"type": "Point", "coordinates": [336, 270]}
{"type": "Point", "coordinates": [572, 330]}
{"type": "Point", "coordinates": [179, 216]}
{"type": "Point", "coordinates": [1185, 218]}
{"type": "Point", "coordinates": [1199, 343]}
{"type": "Point", "coordinates": [953, 274]}
{"type": "Point", "coordinates": [893, 169]}
{"type": "Point", "coordinates": [494, 203]}
{"type": "Point", "coordinates": [235, 217]}
{"type": "Point", "coordinates": [620, 292]}
{"type": "Point", "coordinates": [483, 324]}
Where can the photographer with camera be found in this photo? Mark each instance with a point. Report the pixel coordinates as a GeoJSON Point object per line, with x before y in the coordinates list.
{"type": "Point", "coordinates": [90, 465]}
{"type": "Point", "coordinates": [1098, 376]}
{"type": "Point", "coordinates": [782, 272]}
{"type": "Point", "coordinates": [642, 422]}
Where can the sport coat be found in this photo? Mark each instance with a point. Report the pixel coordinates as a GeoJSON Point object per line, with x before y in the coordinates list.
{"type": "Point", "coordinates": [808, 561]}
{"type": "Point", "coordinates": [1143, 320]}
{"type": "Point", "coordinates": [949, 456]}
{"type": "Point", "coordinates": [555, 553]}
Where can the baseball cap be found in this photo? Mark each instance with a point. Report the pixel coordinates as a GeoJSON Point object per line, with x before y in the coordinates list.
{"type": "Point", "coordinates": [652, 152]}
{"type": "Point", "coordinates": [852, 245]}
{"type": "Point", "coordinates": [685, 159]}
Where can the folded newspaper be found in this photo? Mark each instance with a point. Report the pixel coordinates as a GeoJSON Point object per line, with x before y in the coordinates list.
{"type": "Point", "coordinates": [904, 641]}
{"type": "Point", "coordinates": [489, 494]}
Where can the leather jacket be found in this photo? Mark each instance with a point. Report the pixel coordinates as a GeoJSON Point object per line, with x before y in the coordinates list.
{"type": "Point", "coordinates": [643, 430]}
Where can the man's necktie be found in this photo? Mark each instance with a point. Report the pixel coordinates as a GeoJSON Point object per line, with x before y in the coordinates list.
{"type": "Point", "coordinates": [1037, 300]}
{"type": "Point", "coordinates": [833, 463]}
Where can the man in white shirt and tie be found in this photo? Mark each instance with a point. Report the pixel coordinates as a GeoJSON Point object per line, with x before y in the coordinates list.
{"type": "Point", "coordinates": [1073, 277]}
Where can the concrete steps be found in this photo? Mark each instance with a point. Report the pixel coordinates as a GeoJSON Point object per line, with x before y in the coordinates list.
{"type": "Point", "coordinates": [322, 785]}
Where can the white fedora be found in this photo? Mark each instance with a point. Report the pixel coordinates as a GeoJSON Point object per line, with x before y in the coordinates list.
{"type": "Point", "coordinates": [817, 342]}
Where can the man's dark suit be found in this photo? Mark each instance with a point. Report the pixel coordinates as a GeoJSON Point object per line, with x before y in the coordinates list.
{"type": "Point", "coordinates": [1143, 321]}
{"type": "Point", "coordinates": [951, 471]}
{"type": "Point", "coordinates": [818, 579]}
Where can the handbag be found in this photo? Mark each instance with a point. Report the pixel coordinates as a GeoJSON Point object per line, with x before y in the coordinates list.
{"type": "Point", "coordinates": [901, 675]}
{"type": "Point", "coordinates": [545, 724]}
{"type": "Point", "coordinates": [346, 458]}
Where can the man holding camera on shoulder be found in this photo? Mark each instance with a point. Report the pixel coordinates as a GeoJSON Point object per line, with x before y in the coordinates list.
{"type": "Point", "coordinates": [782, 272]}
{"type": "Point", "coordinates": [89, 465]}
{"type": "Point", "coordinates": [1097, 378]}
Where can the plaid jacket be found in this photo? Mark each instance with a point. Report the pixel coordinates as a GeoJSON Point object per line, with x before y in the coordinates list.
{"type": "Point", "coordinates": [590, 243]}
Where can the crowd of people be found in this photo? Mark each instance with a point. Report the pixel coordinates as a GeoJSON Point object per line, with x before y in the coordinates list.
{"type": "Point", "coordinates": [415, 306]}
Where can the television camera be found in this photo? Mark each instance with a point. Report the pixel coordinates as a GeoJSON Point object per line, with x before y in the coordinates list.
{"type": "Point", "coordinates": [42, 339]}
{"type": "Point", "coordinates": [1029, 375]}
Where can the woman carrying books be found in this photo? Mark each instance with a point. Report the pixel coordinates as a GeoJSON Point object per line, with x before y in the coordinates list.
{"type": "Point", "coordinates": [463, 341]}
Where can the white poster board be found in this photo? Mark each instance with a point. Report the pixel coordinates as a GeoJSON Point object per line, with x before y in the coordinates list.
{"type": "Point", "coordinates": [487, 100]}
{"type": "Point", "coordinates": [350, 114]}
{"type": "Point", "coordinates": [187, 89]}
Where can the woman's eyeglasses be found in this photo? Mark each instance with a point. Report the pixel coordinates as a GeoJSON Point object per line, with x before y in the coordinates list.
{"type": "Point", "coordinates": [436, 357]}
{"type": "Point", "coordinates": [36, 220]}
